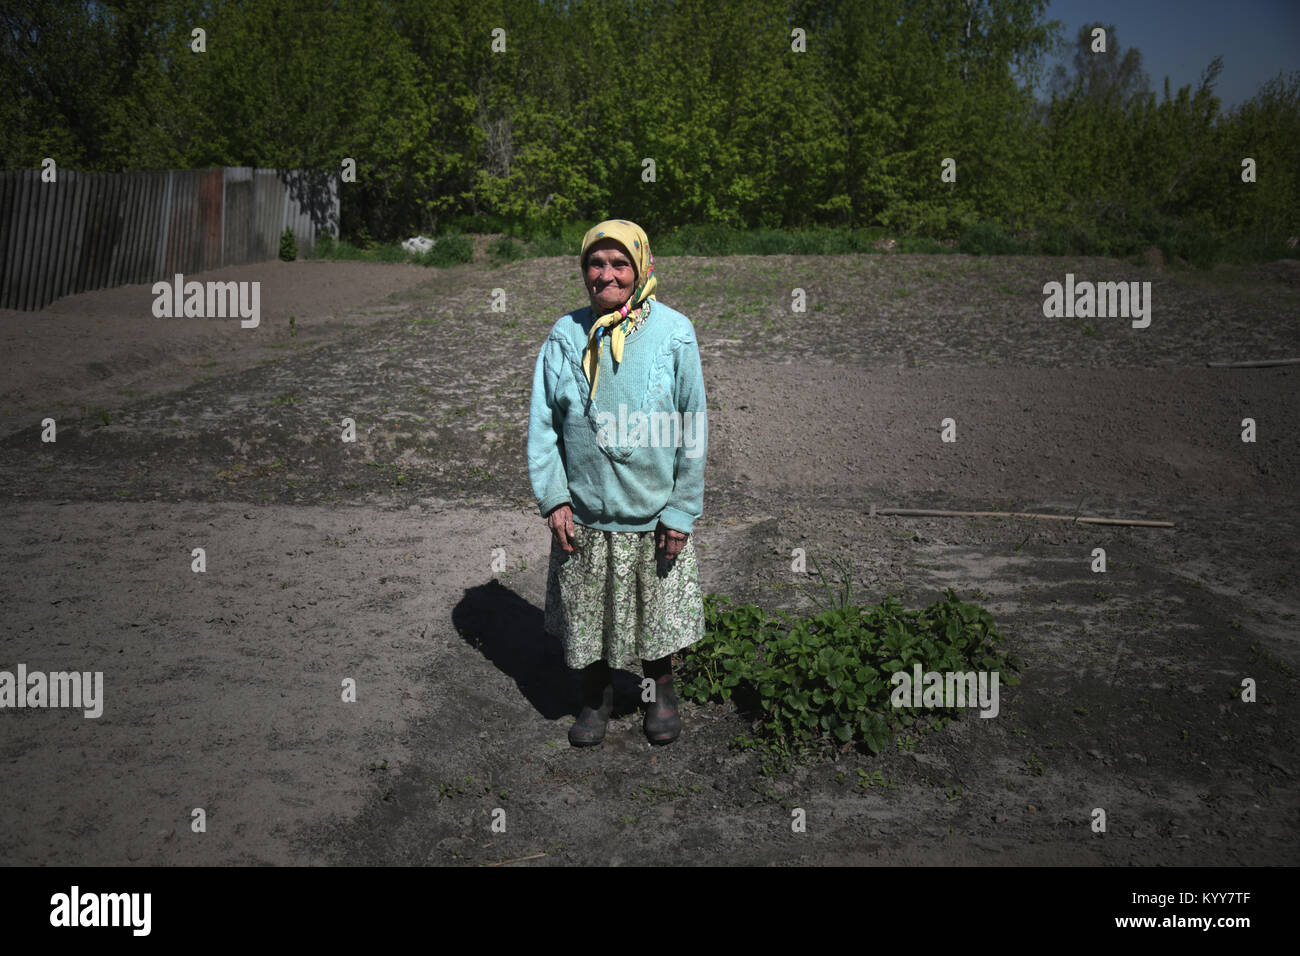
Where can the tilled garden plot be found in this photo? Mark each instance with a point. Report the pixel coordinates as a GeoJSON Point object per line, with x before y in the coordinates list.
{"type": "Point", "coordinates": [413, 560]}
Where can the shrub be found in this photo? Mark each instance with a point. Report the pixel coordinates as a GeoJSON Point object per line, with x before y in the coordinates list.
{"type": "Point", "coordinates": [921, 244]}
{"type": "Point", "coordinates": [1254, 248]}
{"type": "Point", "coordinates": [1067, 240]}
{"type": "Point", "coordinates": [1199, 248]}
{"type": "Point", "coordinates": [448, 251]}
{"type": "Point", "coordinates": [555, 246]}
{"type": "Point", "coordinates": [986, 239]}
{"type": "Point", "coordinates": [481, 223]}
{"type": "Point", "coordinates": [288, 246]}
{"type": "Point", "coordinates": [819, 684]}
{"type": "Point", "coordinates": [703, 240]}
{"type": "Point", "coordinates": [1195, 242]}
{"type": "Point", "coordinates": [768, 242]}
{"type": "Point", "coordinates": [506, 249]}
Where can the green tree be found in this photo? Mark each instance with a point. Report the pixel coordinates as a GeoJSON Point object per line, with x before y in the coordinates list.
{"type": "Point", "coordinates": [1099, 76]}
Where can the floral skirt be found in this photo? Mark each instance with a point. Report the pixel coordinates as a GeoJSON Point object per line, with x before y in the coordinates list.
{"type": "Point", "coordinates": [612, 598]}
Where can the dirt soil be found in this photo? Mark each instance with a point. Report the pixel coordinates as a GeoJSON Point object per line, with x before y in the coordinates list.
{"type": "Point", "coordinates": [412, 562]}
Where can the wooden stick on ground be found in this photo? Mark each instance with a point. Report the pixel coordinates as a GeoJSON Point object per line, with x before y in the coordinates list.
{"type": "Point", "coordinates": [929, 512]}
{"type": "Point", "coordinates": [1261, 363]}
{"type": "Point", "coordinates": [520, 859]}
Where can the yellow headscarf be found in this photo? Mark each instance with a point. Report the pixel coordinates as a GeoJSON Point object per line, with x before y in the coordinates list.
{"type": "Point", "coordinates": [634, 241]}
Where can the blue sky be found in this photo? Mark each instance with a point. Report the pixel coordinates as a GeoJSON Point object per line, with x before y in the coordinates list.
{"type": "Point", "coordinates": [1256, 38]}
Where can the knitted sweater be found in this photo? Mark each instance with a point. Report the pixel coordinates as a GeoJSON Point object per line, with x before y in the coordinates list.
{"type": "Point", "coordinates": [633, 457]}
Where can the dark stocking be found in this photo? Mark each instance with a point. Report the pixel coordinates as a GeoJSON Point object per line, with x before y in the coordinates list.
{"type": "Point", "coordinates": [595, 678]}
{"type": "Point", "coordinates": [657, 670]}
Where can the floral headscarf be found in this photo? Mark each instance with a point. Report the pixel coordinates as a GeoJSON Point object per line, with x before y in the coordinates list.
{"type": "Point", "coordinates": [633, 239]}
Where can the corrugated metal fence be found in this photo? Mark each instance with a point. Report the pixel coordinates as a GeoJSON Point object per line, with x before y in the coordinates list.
{"type": "Point", "coordinates": [98, 230]}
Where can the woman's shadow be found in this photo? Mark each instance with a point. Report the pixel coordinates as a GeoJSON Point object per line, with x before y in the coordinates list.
{"type": "Point", "coordinates": [509, 632]}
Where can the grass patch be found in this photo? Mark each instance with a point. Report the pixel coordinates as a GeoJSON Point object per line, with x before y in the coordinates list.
{"type": "Point", "coordinates": [1104, 231]}
{"type": "Point", "coordinates": [1092, 234]}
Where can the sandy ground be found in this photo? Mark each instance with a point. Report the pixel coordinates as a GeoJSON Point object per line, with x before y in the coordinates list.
{"type": "Point", "coordinates": [412, 563]}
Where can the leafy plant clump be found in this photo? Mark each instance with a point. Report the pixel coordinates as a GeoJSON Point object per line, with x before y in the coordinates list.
{"type": "Point", "coordinates": [288, 246]}
{"type": "Point", "coordinates": [506, 249]}
{"type": "Point", "coordinates": [450, 250]}
{"type": "Point", "coordinates": [987, 239]}
{"type": "Point", "coordinates": [821, 684]}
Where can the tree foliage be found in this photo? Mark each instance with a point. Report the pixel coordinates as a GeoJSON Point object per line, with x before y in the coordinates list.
{"type": "Point", "coordinates": [671, 112]}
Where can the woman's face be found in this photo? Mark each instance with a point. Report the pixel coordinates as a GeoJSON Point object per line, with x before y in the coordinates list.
{"type": "Point", "coordinates": [610, 275]}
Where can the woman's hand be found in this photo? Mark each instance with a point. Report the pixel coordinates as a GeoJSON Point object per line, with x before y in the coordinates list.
{"type": "Point", "coordinates": [669, 542]}
{"type": "Point", "coordinates": [560, 521]}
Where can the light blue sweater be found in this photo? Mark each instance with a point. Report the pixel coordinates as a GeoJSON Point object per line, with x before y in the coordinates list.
{"type": "Point", "coordinates": [635, 456]}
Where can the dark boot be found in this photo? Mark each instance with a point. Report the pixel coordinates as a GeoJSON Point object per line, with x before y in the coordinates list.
{"type": "Point", "coordinates": [597, 705]}
{"type": "Point", "coordinates": [662, 722]}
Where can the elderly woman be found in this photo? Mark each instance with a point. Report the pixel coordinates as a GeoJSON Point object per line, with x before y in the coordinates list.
{"type": "Point", "coordinates": [616, 446]}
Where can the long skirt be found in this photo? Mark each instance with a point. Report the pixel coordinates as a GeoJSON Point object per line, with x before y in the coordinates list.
{"type": "Point", "coordinates": [611, 598]}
